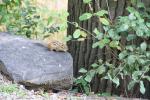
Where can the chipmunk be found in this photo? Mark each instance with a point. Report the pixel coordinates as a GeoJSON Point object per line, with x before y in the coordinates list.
{"type": "Point", "coordinates": [56, 42]}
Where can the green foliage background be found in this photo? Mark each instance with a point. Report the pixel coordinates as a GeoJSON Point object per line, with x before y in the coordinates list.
{"type": "Point", "coordinates": [23, 17]}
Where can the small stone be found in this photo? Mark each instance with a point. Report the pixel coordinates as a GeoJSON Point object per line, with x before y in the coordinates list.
{"type": "Point", "coordinates": [22, 87]}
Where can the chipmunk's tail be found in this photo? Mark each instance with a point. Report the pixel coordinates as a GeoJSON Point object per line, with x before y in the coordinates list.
{"type": "Point", "coordinates": [40, 43]}
{"type": "Point", "coordinates": [56, 37]}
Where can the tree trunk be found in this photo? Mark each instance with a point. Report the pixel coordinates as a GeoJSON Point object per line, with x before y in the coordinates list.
{"type": "Point", "coordinates": [83, 53]}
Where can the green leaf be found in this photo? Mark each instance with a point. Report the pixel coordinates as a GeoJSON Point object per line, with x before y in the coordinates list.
{"type": "Point", "coordinates": [142, 61]}
{"type": "Point", "coordinates": [96, 44]}
{"type": "Point", "coordinates": [136, 74]}
{"type": "Point", "coordinates": [139, 32]}
{"type": "Point", "coordinates": [82, 70]}
{"type": "Point", "coordinates": [130, 47]}
{"type": "Point", "coordinates": [143, 46]}
{"type": "Point", "coordinates": [114, 44]}
{"type": "Point", "coordinates": [89, 76]}
{"type": "Point", "coordinates": [131, 16]}
{"type": "Point", "coordinates": [116, 81]}
{"type": "Point", "coordinates": [100, 61]}
{"type": "Point", "coordinates": [101, 69]}
{"type": "Point", "coordinates": [148, 24]}
{"type": "Point", "coordinates": [113, 34]}
{"type": "Point", "coordinates": [119, 48]}
{"type": "Point", "coordinates": [76, 24]}
{"type": "Point", "coordinates": [147, 78]}
{"type": "Point", "coordinates": [77, 33]}
{"type": "Point", "coordinates": [101, 13]}
{"type": "Point", "coordinates": [142, 88]}
{"type": "Point", "coordinates": [124, 27]}
{"type": "Point", "coordinates": [138, 15]}
{"type": "Point", "coordinates": [106, 28]}
{"type": "Point", "coordinates": [96, 31]}
{"type": "Point", "coordinates": [104, 42]}
{"type": "Point", "coordinates": [131, 9]}
{"type": "Point", "coordinates": [7, 1]}
{"type": "Point", "coordinates": [94, 65]}
{"type": "Point", "coordinates": [99, 35]}
{"type": "Point", "coordinates": [148, 54]}
{"type": "Point", "coordinates": [104, 21]}
{"type": "Point", "coordinates": [122, 55]}
{"type": "Point", "coordinates": [131, 37]}
{"type": "Point", "coordinates": [86, 89]}
{"type": "Point", "coordinates": [131, 59]}
{"type": "Point", "coordinates": [80, 80]}
{"type": "Point", "coordinates": [87, 1]}
{"type": "Point", "coordinates": [17, 2]}
{"type": "Point", "coordinates": [80, 77]}
{"type": "Point", "coordinates": [108, 76]}
{"type": "Point", "coordinates": [131, 85]}
{"type": "Point", "coordinates": [85, 16]}
{"type": "Point", "coordinates": [83, 34]}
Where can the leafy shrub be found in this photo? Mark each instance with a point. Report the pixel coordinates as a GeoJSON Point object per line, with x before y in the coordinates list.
{"type": "Point", "coordinates": [134, 59]}
{"type": "Point", "coordinates": [26, 19]}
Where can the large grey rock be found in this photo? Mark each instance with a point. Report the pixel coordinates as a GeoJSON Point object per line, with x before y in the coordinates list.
{"type": "Point", "coordinates": [30, 63]}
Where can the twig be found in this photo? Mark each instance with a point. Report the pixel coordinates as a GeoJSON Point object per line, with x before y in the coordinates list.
{"type": "Point", "coordinates": [108, 10]}
{"type": "Point", "coordinates": [119, 71]}
{"type": "Point", "coordinates": [91, 9]}
{"type": "Point", "coordinates": [112, 53]}
{"type": "Point", "coordinates": [73, 23]}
